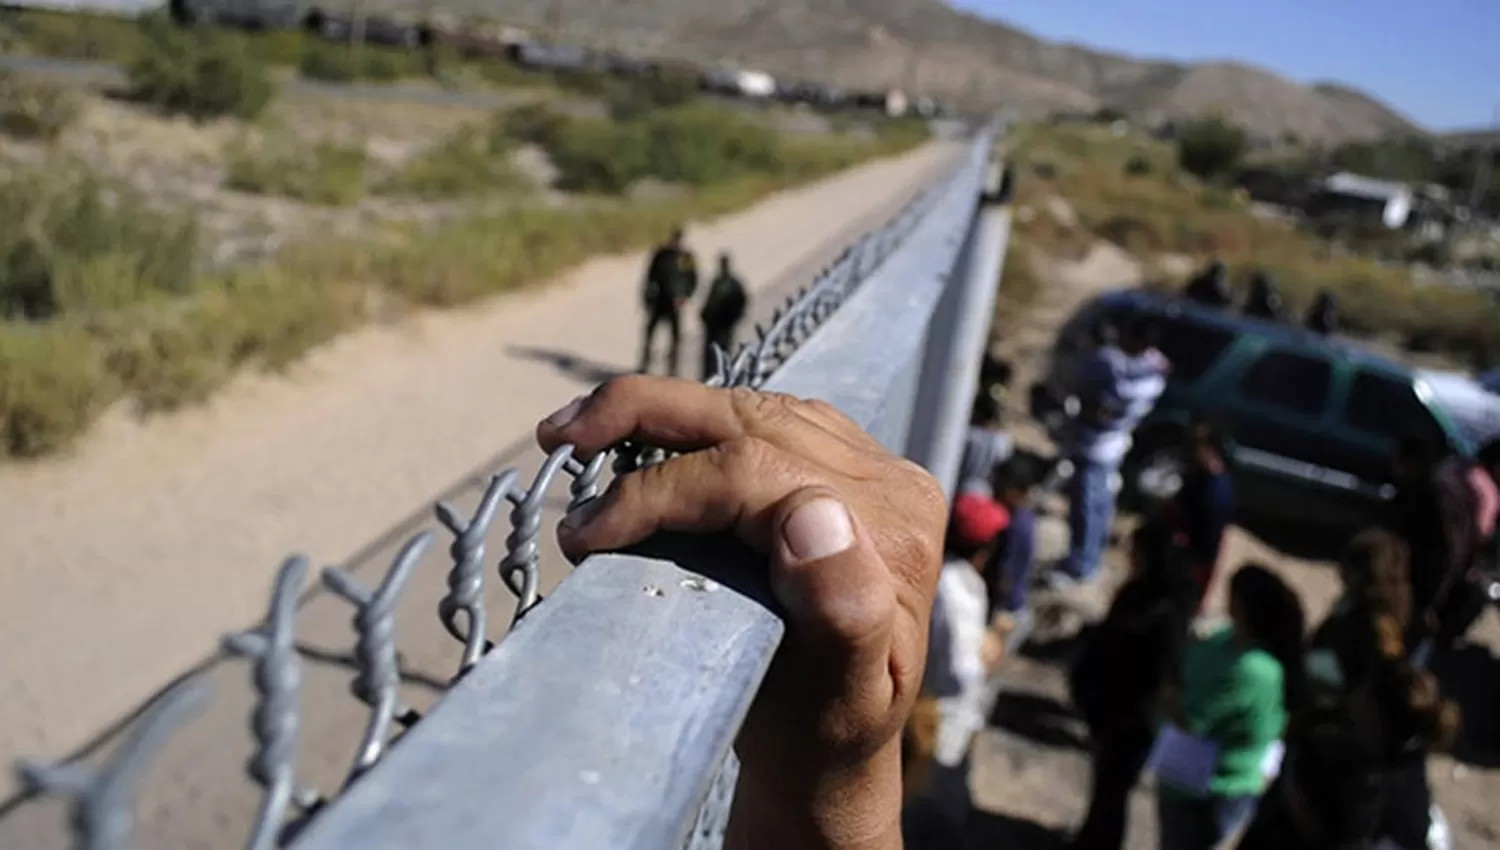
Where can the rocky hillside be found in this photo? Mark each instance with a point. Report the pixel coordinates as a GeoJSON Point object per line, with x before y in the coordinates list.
{"type": "Point", "coordinates": [873, 43]}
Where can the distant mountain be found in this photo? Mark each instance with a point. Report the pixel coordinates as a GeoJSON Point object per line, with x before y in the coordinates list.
{"type": "Point", "coordinates": [936, 49]}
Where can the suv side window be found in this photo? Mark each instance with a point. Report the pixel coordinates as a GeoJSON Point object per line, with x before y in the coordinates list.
{"type": "Point", "coordinates": [1290, 381]}
{"type": "Point", "coordinates": [1192, 348]}
{"type": "Point", "coordinates": [1388, 407]}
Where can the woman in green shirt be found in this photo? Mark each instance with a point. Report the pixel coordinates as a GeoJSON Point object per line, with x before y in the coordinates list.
{"type": "Point", "coordinates": [1234, 690]}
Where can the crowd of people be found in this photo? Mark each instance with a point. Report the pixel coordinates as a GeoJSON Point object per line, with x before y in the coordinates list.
{"type": "Point", "coordinates": [899, 603]}
{"type": "Point", "coordinates": [1251, 728]}
{"type": "Point", "coordinates": [671, 281]}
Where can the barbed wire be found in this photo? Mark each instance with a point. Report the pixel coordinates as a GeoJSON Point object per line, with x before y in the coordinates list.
{"type": "Point", "coordinates": [103, 799]}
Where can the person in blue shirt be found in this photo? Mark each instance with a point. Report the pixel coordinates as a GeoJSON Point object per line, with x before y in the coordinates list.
{"type": "Point", "coordinates": [1203, 508]}
{"type": "Point", "coordinates": [1117, 386]}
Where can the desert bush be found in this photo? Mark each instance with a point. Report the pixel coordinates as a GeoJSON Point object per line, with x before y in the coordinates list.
{"type": "Point", "coordinates": [533, 123]}
{"type": "Point", "coordinates": [34, 109]}
{"type": "Point", "coordinates": [471, 161]}
{"type": "Point", "coordinates": [594, 155]}
{"type": "Point", "coordinates": [51, 385]}
{"type": "Point", "coordinates": [701, 145]}
{"type": "Point", "coordinates": [78, 245]}
{"type": "Point", "coordinates": [201, 74]}
{"type": "Point", "coordinates": [1138, 166]}
{"type": "Point", "coordinates": [102, 38]}
{"type": "Point", "coordinates": [1211, 148]}
{"type": "Point", "coordinates": [338, 62]}
{"type": "Point", "coordinates": [325, 173]}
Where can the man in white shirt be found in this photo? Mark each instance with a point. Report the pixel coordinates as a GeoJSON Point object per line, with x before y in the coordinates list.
{"type": "Point", "coordinates": [962, 651]}
{"type": "Point", "coordinates": [1117, 387]}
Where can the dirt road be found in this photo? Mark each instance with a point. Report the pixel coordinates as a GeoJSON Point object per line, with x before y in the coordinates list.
{"type": "Point", "coordinates": [125, 562]}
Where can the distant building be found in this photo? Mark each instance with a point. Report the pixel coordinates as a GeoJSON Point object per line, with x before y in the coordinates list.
{"type": "Point", "coordinates": [1362, 201]}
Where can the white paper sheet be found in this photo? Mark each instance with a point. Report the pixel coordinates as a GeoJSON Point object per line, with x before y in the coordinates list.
{"type": "Point", "coordinates": [1185, 762]}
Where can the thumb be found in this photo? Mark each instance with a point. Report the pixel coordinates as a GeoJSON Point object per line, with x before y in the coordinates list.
{"type": "Point", "coordinates": [826, 572]}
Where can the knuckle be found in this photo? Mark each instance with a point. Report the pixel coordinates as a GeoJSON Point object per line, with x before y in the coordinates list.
{"type": "Point", "coordinates": [744, 458]}
{"type": "Point", "coordinates": [620, 388]}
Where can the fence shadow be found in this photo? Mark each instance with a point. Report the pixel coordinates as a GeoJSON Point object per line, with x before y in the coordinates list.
{"type": "Point", "coordinates": [1470, 676]}
{"type": "Point", "coordinates": [583, 369]}
{"type": "Point", "coordinates": [1039, 719]}
{"type": "Point", "coordinates": [990, 829]}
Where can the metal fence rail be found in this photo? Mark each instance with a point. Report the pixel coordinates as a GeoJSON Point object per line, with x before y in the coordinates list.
{"type": "Point", "coordinates": [606, 717]}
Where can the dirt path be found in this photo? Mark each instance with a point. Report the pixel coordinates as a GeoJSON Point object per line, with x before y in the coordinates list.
{"type": "Point", "coordinates": [125, 562]}
{"type": "Point", "coordinates": [1031, 769]}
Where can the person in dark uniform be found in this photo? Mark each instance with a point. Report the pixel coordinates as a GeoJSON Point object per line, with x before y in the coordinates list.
{"type": "Point", "coordinates": [1210, 287]}
{"type": "Point", "coordinates": [671, 279]}
{"type": "Point", "coordinates": [1323, 316]}
{"type": "Point", "coordinates": [723, 309]}
{"type": "Point", "coordinates": [1264, 301]}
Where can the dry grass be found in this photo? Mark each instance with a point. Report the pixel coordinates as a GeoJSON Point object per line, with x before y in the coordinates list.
{"type": "Point", "coordinates": [58, 372]}
{"type": "Point", "coordinates": [1152, 208]}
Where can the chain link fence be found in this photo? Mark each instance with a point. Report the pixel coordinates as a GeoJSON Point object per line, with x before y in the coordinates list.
{"type": "Point", "coordinates": [605, 717]}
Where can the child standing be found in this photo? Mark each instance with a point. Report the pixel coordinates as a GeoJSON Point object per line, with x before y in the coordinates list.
{"type": "Point", "coordinates": [985, 447]}
{"type": "Point", "coordinates": [961, 654]}
{"type": "Point", "coordinates": [1010, 570]}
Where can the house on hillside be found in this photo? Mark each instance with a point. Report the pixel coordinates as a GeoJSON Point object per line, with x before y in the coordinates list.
{"type": "Point", "coordinates": [1361, 201]}
{"type": "Point", "coordinates": [1346, 201]}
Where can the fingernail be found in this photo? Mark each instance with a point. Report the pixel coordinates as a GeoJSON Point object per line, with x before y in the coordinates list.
{"type": "Point", "coordinates": [567, 413]}
{"type": "Point", "coordinates": [819, 529]}
{"type": "Point", "coordinates": [583, 514]}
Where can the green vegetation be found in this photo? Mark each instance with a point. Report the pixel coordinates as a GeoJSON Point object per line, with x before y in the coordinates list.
{"type": "Point", "coordinates": [340, 63]}
{"type": "Point", "coordinates": [471, 161]}
{"type": "Point", "coordinates": [1132, 191]}
{"type": "Point", "coordinates": [697, 144]}
{"type": "Point", "coordinates": [103, 304]}
{"type": "Point", "coordinates": [325, 173]}
{"type": "Point", "coordinates": [33, 110]}
{"type": "Point", "coordinates": [77, 245]}
{"type": "Point", "coordinates": [1212, 148]}
{"type": "Point", "coordinates": [202, 74]}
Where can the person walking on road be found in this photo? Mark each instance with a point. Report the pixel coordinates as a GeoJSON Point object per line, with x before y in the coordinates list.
{"type": "Point", "coordinates": [723, 310]}
{"type": "Point", "coordinates": [671, 279]}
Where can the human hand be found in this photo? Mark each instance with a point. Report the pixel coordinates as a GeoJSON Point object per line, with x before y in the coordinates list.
{"type": "Point", "coordinates": [853, 535]}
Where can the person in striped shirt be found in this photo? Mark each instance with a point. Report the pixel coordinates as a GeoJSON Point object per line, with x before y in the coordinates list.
{"type": "Point", "coordinates": [1117, 386]}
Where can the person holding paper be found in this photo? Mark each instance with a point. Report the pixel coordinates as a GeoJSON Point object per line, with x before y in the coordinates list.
{"type": "Point", "coordinates": [1356, 760]}
{"type": "Point", "coordinates": [1226, 710]}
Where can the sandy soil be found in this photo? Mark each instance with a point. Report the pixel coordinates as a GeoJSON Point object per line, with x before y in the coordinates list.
{"type": "Point", "coordinates": [125, 561]}
{"type": "Point", "coordinates": [1031, 774]}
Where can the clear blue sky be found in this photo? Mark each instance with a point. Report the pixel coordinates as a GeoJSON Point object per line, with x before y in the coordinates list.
{"type": "Point", "coordinates": [1436, 60]}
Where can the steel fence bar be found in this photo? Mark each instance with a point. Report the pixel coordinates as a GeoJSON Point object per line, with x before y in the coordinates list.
{"type": "Point", "coordinates": [956, 343]}
{"type": "Point", "coordinates": [600, 722]}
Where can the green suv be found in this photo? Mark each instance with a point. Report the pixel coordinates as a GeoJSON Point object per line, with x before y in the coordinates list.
{"type": "Point", "coordinates": [1313, 421]}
